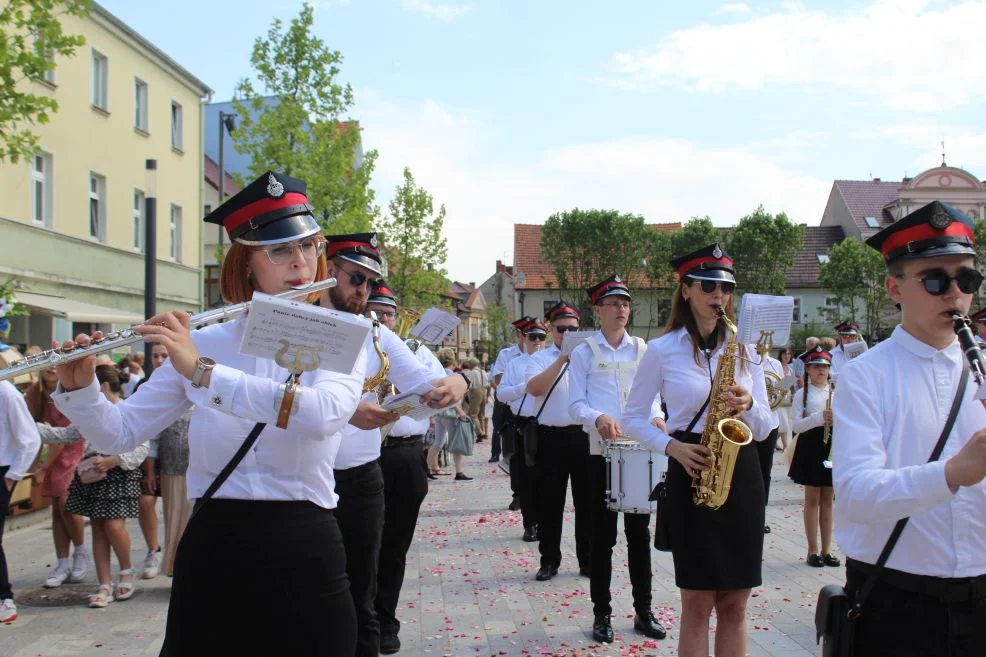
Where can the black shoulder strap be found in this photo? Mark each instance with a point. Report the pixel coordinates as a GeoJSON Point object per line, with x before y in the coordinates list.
{"type": "Point", "coordinates": [551, 390]}
{"type": "Point", "coordinates": [899, 527]}
{"type": "Point", "coordinates": [691, 424]}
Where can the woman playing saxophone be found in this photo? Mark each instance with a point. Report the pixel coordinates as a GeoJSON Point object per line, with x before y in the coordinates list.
{"type": "Point", "coordinates": [717, 549]}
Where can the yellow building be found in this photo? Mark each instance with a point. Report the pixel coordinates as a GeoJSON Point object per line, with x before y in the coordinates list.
{"type": "Point", "coordinates": [72, 219]}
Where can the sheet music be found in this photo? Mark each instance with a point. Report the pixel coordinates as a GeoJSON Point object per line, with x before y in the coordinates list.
{"type": "Point", "coordinates": [787, 381]}
{"type": "Point", "coordinates": [853, 349]}
{"type": "Point", "coordinates": [765, 312]}
{"type": "Point", "coordinates": [335, 336]}
{"type": "Point", "coordinates": [434, 326]}
{"type": "Point", "coordinates": [409, 405]}
{"type": "Point", "coordinates": [572, 339]}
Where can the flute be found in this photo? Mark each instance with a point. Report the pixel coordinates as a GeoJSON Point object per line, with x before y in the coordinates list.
{"type": "Point", "coordinates": [127, 336]}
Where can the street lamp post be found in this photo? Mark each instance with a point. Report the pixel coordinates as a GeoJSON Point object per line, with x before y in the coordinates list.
{"type": "Point", "coordinates": [226, 122]}
{"type": "Point", "coordinates": [150, 253]}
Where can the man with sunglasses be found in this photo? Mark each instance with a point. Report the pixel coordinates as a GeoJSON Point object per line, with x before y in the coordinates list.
{"type": "Point", "coordinates": [354, 260]}
{"type": "Point", "coordinates": [501, 411]}
{"type": "Point", "coordinates": [848, 333]}
{"type": "Point", "coordinates": [600, 374]}
{"type": "Point", "coordinates": [562, 451]}
{"type": "Point", "coordinates": [930, 599]}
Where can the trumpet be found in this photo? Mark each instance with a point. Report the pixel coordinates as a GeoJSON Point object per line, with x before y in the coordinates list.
{"type": "Point", "coordinates": [117, 339]}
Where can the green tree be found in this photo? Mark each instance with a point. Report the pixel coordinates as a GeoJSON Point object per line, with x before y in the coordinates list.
{"type": "Point", "coordinates": [496, 325]}
{"type": "Point", "coordinates": [696, 233]}
{"type": "Point", "coordinates": [763, 246]}
{"type": "Point", "coordinates": [415, 248]}
{"type": "Point", "coordinates": [300, 131]}
{"type": "Point", "coordinates": [855, 275]}
{"type": "Point", "coordinates": [30, 37]}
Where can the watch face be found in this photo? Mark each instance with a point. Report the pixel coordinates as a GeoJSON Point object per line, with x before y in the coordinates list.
{"type": "Point", "coordinates": [207, 362]}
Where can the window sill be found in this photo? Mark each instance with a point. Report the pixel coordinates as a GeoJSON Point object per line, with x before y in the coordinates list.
{"type": "Point", "coordinates": [141, 132]}
{"type": "Point", "coordinates": [100, 110]}
{"type": "Point", "coordinates": [47, 83]}
{"type": "Point", "coordinates": [176, 150]}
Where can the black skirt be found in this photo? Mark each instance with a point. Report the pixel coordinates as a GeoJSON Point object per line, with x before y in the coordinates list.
{"type": "Point", "coordinates": [277, 571]}
{"type": "Point", "coordinates": [117, 496]}
{"type": "Point", "coordinates": [720, 549]}
{"type": "Point", "coordinates": [807, 466]}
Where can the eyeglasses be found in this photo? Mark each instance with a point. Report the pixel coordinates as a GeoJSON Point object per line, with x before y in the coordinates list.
{"type": "Point", "coordinates": [536, 337]}
{"type": "Point", "coordinates": [710, 286]}
{"type": "Point", "coordinates": [566, 329]}
{"type": "Point", "coordinates": [356, 279]}
{"type": "Point", "coordinates": [386, 314]}
{"type": "Point", "coordinates": [282, 254]}
{"type": "Point", "coordinates": [937, 281]}
{"type": "Point", "coordinates": [623, 305]}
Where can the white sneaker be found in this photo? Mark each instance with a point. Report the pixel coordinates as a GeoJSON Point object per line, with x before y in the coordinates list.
{"type": "Point", "coordinates": [80, 565]}
{"type": "Point", "coordinates": [57, 577]}
{"type": "Point", "coordinates": [8, 611]}
{"type": "Point", "coordinates": [152, 564]}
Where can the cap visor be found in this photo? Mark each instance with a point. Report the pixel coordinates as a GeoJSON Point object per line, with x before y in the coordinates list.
{"type": "Point", "coordinates": [713, 275]}
{"type": "Point", "coordinates": [363, 261]}
{"type": "Point", "coordinates": [383, 301]}
{"type": "Point", "coordinates": [615, 293]}
{"type": "Point", "coordinates": [282, 230]}
{"type": "Point", "coordinates": [939, 251]}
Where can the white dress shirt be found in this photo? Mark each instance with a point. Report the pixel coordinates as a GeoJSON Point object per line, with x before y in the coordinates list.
{"type": "Point", "coordinates": [595, 391]}
{"type": "Point", "coordinates": [408, 426]}
{"type": "Point", "coordinates": [839, 361]}
{"type": "Point", "coordinates": [890, 409]}
{"type": "Point", "coordinates": [503, 358]}
{"type": "Point", "coordinates": [555, 413]}
{"type": "Point", "coordinates": [669, 369]}
{"type": "Point", "coordinates": [513, 387]}
{"type": "Point", "coordinates": [810, 417]}
{"type": "Point", "coordinates": [19, 439]}
{"type": "Point", "coordinates": [285, 464]}
{"type": "Point", "coordinates": [407, 373]}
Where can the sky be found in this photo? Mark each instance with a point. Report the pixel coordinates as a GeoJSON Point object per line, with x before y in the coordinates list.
{"type": "Point", "coordinates": [509, 111]}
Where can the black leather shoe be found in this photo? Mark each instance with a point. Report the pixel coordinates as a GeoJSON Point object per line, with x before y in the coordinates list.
{"type": "Point", "coordinates": [389, 644]}
{"type": "Point", "coordinates": [514, 504]}
{"type": "Point", "coordinates": [602, 629]}
{"type": "Point", "coordinates": [766, 529]}
{"type": "Point", "coordinates": [831, 560]}
{"type": "Point", "coordinates": [546, 573]}
{"type": "Point", "coordinates": [647, 625]}
{"type": "Point", "coordinates": [462, 476]}
{"type": "Point", "coordinates": [815, 561]}
{"type": "Point", "coordinates": [494, 459]}
{"type": "Point", "coordinates": [530, 534]}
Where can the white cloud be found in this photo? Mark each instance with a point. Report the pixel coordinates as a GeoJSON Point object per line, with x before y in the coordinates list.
{"type": "Point", "coordinates": [443, 11]}
{"type": "Point", "coordinates": [906, 54]}
{"type": "Point", "coordinates": [964, 147]}
{"type": "Point", "coordinates": [734, 8]}
{"type": "Point", "coordinates": [454, 155]}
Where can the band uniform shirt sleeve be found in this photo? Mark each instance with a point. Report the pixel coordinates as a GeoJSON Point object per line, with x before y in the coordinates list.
{"type": "Point", "coordinates": [514, 381]}
{"type": "Point", "coordinates": [839, 361]}
{"type": "Point", "coordinates": [645, 390]}
{"type": "Point", "coordinates": [891, 407]}
{"type": "Point", "coordinates": [19, 440]}
{"type": "Point", "coordinates": [760, 417]}
{"type": "Point", "coordinates": [810, 417]}
{"type": "Point", "coordinates": [555, 413]}
{"type": "Point", "coordinates": [506, 355]}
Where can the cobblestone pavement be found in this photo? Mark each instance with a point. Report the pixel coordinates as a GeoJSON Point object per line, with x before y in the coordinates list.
{"type": "Point", "coordinates": [469, 588]}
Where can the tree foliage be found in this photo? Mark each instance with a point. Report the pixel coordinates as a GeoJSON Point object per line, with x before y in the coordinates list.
{"type": "Point", "coordinates": [498, 330]}
{"type": "Point", "coordinates": [413, 243]}
{"type": "Point", "coordinates": [300, 132]}
{"type": "Point", "coordinates": [694, 234]}
{"type": "Point", "coordinates": [763, 247]}
{"type": "Point", "coordinates": [30, 37]}
{"type": "Point", "coordinates": [855, 275]}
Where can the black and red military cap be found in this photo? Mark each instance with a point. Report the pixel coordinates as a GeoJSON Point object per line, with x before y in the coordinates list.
{"type": "Point", "coordinates": [978, 316]}
{"type": "Point", "coordinates": [536, 327]}
{"type": "Point", "coordinates": [382, 295]}
{"type": "Point", "coordinates": [562, 310]}
{"type": "Point", "coordinates": [360, 248]}
{"type": "Point", "coordinates": [847, 328]}
{"type": "Point", "coordinates": [710, 263]}
{"type": "Point", "coordinates": [817, 355]}
{"type": "Point", "coordinates": [612, 286]}
{"type": "Point", "coordinates": [933, 230]}
{"type": "Point", "coordinates": [272, 209]}
{"type": "Point", "coordinates": [519, 324]}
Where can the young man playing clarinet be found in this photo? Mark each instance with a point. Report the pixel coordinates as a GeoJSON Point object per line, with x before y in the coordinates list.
{"type": "Point", "coordinates": [930, 598]}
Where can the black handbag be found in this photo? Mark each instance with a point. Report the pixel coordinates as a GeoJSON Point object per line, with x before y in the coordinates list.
{"type": "Point", "coordinates": [837, 610]}
{"type": "Point", "coordinates": [529, 425]}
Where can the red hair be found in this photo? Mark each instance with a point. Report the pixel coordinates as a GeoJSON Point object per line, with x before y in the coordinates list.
{"type": "Point", "coordinates": [236, 284]}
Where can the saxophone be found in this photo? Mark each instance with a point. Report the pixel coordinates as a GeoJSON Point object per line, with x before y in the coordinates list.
{"type": "Point", "coordinates": [723, 434]}
{"type": "Point", "coordinates": [375, 382]}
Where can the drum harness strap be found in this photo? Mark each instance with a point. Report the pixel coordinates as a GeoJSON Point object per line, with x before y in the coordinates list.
{"type": "Point", "coordinates": [624, 369]}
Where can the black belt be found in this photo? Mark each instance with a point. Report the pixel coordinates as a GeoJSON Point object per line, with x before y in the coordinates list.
{"type": "Point", "coordinates": [948, 590]}
{"type": "Point", "coordinates": [566, 429]}
{"type": "Point", "coordinates": [349, 473]}
{"type": "Point", "coordinates": [394, 441]}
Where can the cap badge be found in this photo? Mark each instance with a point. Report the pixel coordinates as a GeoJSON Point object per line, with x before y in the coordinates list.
{"type": "Point", "coordinates": [940, 219]}
{"type": "Point", "coordinates": [373, 241]}
{"type": "Point", "coordinates": [617, 279]}
{"type": "Point", "coordinates": [274, 187]}
{"type": "Point", "coordinates": [717, 252]}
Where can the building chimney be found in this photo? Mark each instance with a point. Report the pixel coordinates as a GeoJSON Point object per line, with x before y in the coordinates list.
{"type": "Point", "coordinates": [499, 266]}
{"type": "Point", "coordinates": [876, 180]}
{"type": "Point", "coordinates": [472, 284]}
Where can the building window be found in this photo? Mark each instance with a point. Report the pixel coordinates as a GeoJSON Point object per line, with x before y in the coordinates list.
{"type": "Point", "coordinates": [547, 305]}
{"type": "Point", "coordinates": [213, 299]}
{"type": "Point", "coordinates": [97, 207]}
{"type": "Point", "coordinates": [176, 126]}
{"type": "Point", "coordinates": [796, 318]}
{"type": "Point", "coordinates": [49, 54]}
{"type": "Point", "coordinates": [871, 222]}
{"type": "Point", "coordinates": [822, 258]}
{"type": "Point", "coordinates": [140, 105]}
{"type": "Point", "coordinates": [41, 189]}
{"type": "Point", "coordinates": [138, 218]}
{"type": "Point", "coordinates": [100, 80]}
{"type": "Point", "coordinates": [174, 234]}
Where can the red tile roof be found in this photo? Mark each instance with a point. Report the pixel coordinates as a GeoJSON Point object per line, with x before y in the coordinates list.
{"type": "Point", "coordinates": [538, 273]}
{"type": "Point", "coordinates": [818, 240]}
{"type": "Point", "coordinates": [212, 177]}
{"type": "Point", "coordinates": [868, 198]}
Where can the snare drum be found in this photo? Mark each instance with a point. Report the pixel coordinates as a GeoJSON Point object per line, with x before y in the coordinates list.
{"type": "Point", "coordinates": [632, 471]}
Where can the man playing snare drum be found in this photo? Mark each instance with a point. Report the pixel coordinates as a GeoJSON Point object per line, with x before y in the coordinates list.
{"type": "Point", "coordinates": [600, 373]}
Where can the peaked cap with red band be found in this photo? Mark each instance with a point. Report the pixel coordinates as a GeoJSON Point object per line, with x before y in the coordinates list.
{"type": "Point", "coordinates": [612, 286]}
{"type": "Point", "coordinates": [710, 263]}
{"type": "Point", "coordinates": [848, 328]}
{"type": "Point", "coordinates": [360, 248]}
{"type": "Point", "coordinates": [382, 295]}
{"type": "Point", "coordinates": [519, 324]}
{"type": "Point", "coordinates": [270, 210]}
{"type": "Point", "coordinates": [818, 355]}
{"type": "Point", "coordinates": [930, 231]}
{"type": "Point", "coordinates": [561, 310]}
{"type": "Point", "coordinates": [978, 316]}
{"type": "Point", "coordinates": [534, 326]}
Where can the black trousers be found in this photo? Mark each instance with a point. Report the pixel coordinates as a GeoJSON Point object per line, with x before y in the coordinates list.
{"type": "Point", "coordinates": [901, 623]}
{"type": "Point", "coordinates": [501, 414]}
{"type": "Point", "coordinates": [360, 514]}
{"type": "Point", "coordinates": [765, 454]}
{"type": "Point", "coordinates": [523, 484]}
{"type": "Point", "coordinates": [5, 591]}
{"type": "Point", "coordinates": [405, 484]}
{"type": "Point", "coordinates": [286, 557]}
{"type": "Point", "coordinates": [636, 527]}
{"type": "Point", "coordinates": [563, 454]}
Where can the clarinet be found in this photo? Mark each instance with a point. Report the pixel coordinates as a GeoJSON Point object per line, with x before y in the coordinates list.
{"type": "Point", "coordinates": [977, 362]}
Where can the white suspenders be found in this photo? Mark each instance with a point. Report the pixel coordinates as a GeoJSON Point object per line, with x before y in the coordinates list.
{"type": "Point", "coordinates": [624, 369]}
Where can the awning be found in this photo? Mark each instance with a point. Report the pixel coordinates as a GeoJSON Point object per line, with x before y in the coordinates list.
{"type": "Point", "coordinates": [76, 311]}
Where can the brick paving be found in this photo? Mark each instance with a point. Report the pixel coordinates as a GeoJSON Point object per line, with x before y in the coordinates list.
{"type": "Point", "coordinates": [469, 588]}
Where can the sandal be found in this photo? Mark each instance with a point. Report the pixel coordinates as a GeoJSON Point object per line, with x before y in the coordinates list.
{"type": "Point", "coordinates": [124, 590]}
{"type": "Point", "coordinates": [101, 598]}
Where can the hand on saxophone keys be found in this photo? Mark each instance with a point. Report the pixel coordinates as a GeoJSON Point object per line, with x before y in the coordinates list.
{"type": "Point", "coordinates": [738, 399]}
{"type": "Point", "coordinates": [693, 458]}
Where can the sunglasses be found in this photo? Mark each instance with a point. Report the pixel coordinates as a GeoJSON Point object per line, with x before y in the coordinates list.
{"type": "Point", "coordinates": [536, 337]}
{"type": "Point", "coordinates": [566, 329]}
{"type": "Point", "coordinates": [937, 281]}
{"type": "Point", "coordinates": [710, 286]}
{"type": "Point", "coordinates": [356, 279]}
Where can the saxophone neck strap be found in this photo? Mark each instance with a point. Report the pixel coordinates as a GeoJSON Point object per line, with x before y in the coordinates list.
{"type": "Point", "coordinates": [691, 425]}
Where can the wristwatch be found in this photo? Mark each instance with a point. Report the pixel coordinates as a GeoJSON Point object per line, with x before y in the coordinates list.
{"type": "Point", "coordinates": [201, 367]}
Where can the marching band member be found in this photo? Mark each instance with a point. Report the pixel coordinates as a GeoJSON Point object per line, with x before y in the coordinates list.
{"type": "Point", "coordinates": [405, 484]}
{"type": "Point", "coordinates": [891, 407]}
{"type": "Point", "coordinates": [512, 391]}
{"type": "Point", "coordinates": [354, 260]}
{"type": "Point", "coordinates": [562, 451]}
{"type": "Point", "coordinates": [813, 423]}
{"type": "Point", "coordinates": [979, 320]}
{"type": "Point", "coordinates": [600, 373]}
{"type": "Point", "coordinates": [501, 411]}
{"type": "Point", "coordinates": [717, 553]}
{"type": "Point", "coordinates": [268, 540]}
{"type": "Point", "coordinates": [848, 333]}
{"type": "Point", "coordinates": [765, 448]}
